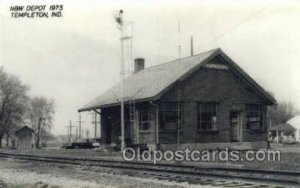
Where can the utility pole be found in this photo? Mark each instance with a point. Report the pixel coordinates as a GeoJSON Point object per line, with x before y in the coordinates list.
{"type": "Point", "coordinates": [126, 37]}
{"type": "Point", "coordinates": [68, 133]}
{"type": "Point", "coordinates": [122, 85]}
{"type": "Point", "coordinates": [70, 126]}
{"type": "Point", "coordinates": [120, 21]}
{"type": "Point", "coordinates": [87, 134]}
{"type": "Point", "coordinates": [76, 133]}
{"type": "Point", "coordinates": [178, 90]}
{"type": "Point", "coordinates": [79, 125]}
{"type": "Point", "coordinates": [192, 46]}
{"type": "Point", "coordinates": [95, 121]}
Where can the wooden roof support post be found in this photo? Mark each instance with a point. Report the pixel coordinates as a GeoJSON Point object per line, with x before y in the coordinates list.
{"type": "Point", "coordinates": [157, 127]}
{"type": "Point", "coordinates": [156, 123]}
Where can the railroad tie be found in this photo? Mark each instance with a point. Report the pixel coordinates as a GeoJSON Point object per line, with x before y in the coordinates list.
{"type": "Point", "coordinates": [206, 182]}
{"type": "Point", "coordinates": [233, 184]}
{"type": "Point", "coordinates": [223, 183]}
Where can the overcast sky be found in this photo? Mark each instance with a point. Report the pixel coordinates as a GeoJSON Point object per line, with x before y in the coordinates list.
{"type": "Point", "coordinates": [75, 58]}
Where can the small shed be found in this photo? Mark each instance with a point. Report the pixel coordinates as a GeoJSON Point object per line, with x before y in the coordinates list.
{"type": "Point", "coordinates": [24, 138]}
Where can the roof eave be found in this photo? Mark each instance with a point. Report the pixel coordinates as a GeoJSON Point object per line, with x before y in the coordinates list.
{"type": "Point", "coordinates": [115, 104]}
{"type": "Point", "coordinates": [269, 99]}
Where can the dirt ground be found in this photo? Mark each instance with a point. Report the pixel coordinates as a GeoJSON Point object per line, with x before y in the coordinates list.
{"type": "Point", "coordinates": [20, 174]}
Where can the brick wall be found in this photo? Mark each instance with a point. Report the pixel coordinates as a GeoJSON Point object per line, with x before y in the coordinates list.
{"type": "Point", "coordinates": [205, 85]}
{"type": "Point", "coordinates": [212, 85]}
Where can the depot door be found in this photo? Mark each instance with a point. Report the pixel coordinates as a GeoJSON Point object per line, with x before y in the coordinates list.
{"type": "Point", "coordinates": [235, 126]}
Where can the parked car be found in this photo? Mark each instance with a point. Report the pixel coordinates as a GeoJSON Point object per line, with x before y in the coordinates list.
{"type": "Point", "coordinates": [96, 144]}
{"type": "Point", "coordinates": [66, 146]}
{"type": "Point", "coordinates": [81, 145]}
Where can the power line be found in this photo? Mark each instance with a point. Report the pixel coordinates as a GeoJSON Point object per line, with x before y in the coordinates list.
{"type": "Point", "coordinates": [239, 24]}
{"type": "Point", "coordinates": [70, 126]}
{"type": "Point", "coordinates": [79, 124]}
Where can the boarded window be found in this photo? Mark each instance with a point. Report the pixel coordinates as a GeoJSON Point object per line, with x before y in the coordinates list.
{"type": "Point", "coordinates": [254, 116]}
{"type": "Point", "coordinates": [207, 116]}
{"type": "Point", "coordinates": [170, 116]}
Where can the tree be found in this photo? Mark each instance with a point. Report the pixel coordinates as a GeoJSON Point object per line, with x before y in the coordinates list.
{"type": "Point", "coordinates": [41, 115]}
{"type": "Point", "coordinates": [47, 137]}
{"type": "Point", "coordinates": [282, 113]}
{"type": "Point", "coordinates": [13, 97]}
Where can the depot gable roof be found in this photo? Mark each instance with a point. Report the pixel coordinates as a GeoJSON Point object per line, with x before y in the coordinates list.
{"type": "Point", "coordinates": [152, 82]}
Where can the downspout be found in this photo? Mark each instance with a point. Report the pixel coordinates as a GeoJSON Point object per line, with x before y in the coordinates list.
{"type": "Point", "coordinates": [178, 115]}
{"type": "Point", "coordinates": [156, 125]}
{"type": "Point", "coordinates": [268, 126]}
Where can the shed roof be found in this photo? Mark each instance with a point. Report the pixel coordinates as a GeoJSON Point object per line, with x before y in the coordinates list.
{"type": "Point", "coordinates": [283, 127]}
{"type": "Point", "coordinates": [24, 128]}
{"type": "Point", "coordinates": [150, 83]}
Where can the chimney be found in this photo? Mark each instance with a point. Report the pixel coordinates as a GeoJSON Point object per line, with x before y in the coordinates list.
{"type": "Point", "coordinates": [139, 64]}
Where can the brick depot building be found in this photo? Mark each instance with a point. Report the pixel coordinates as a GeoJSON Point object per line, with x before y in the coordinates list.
{"type": "Point", "coordinates": [201, 101]}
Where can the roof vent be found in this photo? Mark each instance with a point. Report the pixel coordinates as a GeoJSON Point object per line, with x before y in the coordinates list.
{"type": "Point", "coordinates": [139, 64]}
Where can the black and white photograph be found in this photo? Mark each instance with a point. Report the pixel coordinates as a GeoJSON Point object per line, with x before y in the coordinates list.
{"type": "Point", "coordinates": [149, 93]}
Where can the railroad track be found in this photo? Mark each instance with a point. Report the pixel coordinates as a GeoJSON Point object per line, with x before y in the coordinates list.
{"type": "Point", "coordinates": [214, 176]}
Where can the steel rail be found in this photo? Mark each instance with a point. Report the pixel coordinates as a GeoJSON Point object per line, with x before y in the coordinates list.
{"type": "Point", "coordinates": [286, 178]}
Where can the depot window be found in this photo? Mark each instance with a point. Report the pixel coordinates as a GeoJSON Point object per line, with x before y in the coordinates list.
{"type": "Point", "coordinates": [145, 120]}
{"type": "Point", "coordinates": [170, 116]}
{"type": "Point", "coordinates": [254, 116]}
{"type": "Point", "coordinates": [207, 116]}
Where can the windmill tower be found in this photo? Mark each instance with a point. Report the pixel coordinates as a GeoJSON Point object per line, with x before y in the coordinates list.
{"type": "Point", "coordinates": [127, 68]}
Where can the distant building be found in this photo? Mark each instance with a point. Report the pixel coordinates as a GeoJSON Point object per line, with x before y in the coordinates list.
{"type": "Point", "coordinates": [287, 132]}
{"type": "Point", "coordinates": [279, 133]}
{"type": "Point", "coordinates": [295, 122]}
{"type": "Point", "coordinates": [25, 138]}
{"type": "Point", "coordinates": [205, 100]}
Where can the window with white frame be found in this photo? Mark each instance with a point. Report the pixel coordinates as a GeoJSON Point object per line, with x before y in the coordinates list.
{"type": "Point", "coordinates": [207, 116]}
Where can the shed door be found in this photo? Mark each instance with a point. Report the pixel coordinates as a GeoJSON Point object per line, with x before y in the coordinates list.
{"type": "Point", "coordinates": [235, 126]}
